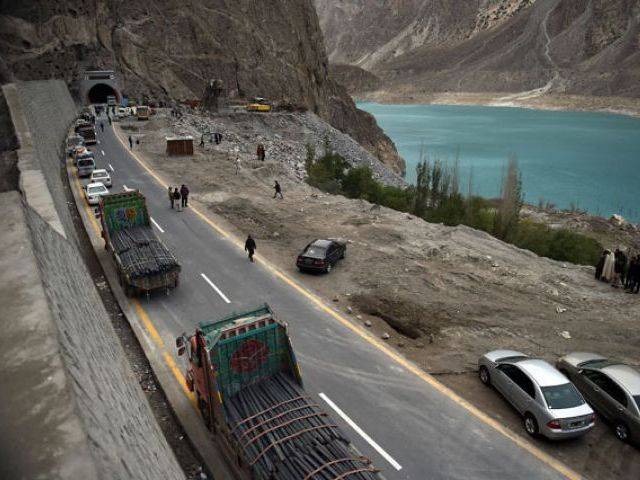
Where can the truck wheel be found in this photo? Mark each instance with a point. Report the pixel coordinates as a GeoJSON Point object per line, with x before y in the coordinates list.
{"type": "Point", "coordinates": [204, 411]}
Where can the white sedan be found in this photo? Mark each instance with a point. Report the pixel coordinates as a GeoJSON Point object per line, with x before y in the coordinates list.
{"type": "Point", "coordinates": [94, 191]}
{"type": "Point", "coordinates": [100, 176]}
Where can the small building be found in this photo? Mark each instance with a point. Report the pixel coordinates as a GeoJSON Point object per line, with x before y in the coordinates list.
{"type": "Point", "coordinates": [180, 145]}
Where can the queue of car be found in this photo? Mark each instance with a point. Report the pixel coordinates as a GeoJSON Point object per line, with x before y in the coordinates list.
{"type": "Point", "coordinates": [562, 401]}
{"type": "Point", "coordinates": [85, 163]}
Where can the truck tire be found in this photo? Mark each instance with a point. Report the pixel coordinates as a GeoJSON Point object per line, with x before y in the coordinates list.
{"type": "Point", "coordinates": [204, 411]}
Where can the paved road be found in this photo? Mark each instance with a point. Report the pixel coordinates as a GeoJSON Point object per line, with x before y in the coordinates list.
{"type": "Point", "coordinates": [413, 430]}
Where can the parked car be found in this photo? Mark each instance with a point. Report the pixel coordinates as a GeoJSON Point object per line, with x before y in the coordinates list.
{"type": "Point", "coordinates": [321, 255]}
{"type": "Point", "coordinates": [86, 165]}
{"type": "Point", "coordinates": [102, 176]}
{"type": "Point", "coordinates": [612, 388]}
{"type": "Point", "coordinates": [74, 141]}
{"type": "Point", "coordinates": [94, 191]}
{"type": "Point", "coordinates": [548, 402]}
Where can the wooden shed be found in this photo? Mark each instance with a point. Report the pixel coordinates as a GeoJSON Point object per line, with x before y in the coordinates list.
{"type": "Point", "coordinates": [180, 145]}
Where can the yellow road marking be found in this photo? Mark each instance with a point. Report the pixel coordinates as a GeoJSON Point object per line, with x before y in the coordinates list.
{"type": "Point", "coordinates": [178, 374]}
{"type": "Point", "coordinates": [147, 323]}
{"type": "Point", "coordinates": [472, 409]}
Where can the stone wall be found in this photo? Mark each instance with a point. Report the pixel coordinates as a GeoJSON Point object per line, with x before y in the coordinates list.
{"type": "Point", "coordinates": [49, 112]}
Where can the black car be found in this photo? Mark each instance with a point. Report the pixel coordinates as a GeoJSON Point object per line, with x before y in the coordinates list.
{"type": "Point", "coordinates": [321, 255]}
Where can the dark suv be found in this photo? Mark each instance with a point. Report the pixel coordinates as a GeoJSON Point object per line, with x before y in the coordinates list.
{"type": "Point", "coordinates": [321, 255]}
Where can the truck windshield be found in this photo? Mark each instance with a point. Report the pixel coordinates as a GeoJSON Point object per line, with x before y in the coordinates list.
{"type": "Point", "coordinates": [562, 396]}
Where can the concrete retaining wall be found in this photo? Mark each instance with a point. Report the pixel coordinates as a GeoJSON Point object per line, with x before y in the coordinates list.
{"type": "Point", "coordinates": [70, 406]}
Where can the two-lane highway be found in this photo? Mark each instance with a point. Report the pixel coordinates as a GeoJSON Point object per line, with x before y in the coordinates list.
{"type": "Point", "coordinates": [408, 424]}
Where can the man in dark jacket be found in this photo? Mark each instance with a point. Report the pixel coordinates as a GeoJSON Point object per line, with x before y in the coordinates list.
{"type": "Point", "coordinates": [184, 191]}
{"type": "Point", "coordinates": [278, 190]}
{"type": "Point", "coordinates": [634, 275]}
{"type": "Point", "coordinates": [250, 247]}
{"type": "Point", "coordinates": [176, 198]}
{"type": "Point", "coordinates": [619, 267]}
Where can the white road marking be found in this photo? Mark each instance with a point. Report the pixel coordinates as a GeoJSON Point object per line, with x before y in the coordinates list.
{"type": "Point", "coordinates": [102, 152]}
{"type": "Point", "coordinates": [98, 142]}
{"type": "Point", "coordinates": [156, 224]}
{"type": "Point", "coordinates": [361, 432]}
{"type": "Point", "coordinates": [213, 285]}
{"type": "Point", "coordinates": [111, 167]}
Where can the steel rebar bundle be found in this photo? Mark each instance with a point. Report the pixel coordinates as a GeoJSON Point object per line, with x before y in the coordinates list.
{"type": "Point", "coordinates": [286, 436]}
{"type": "Point", "coordinates": [141, 253]}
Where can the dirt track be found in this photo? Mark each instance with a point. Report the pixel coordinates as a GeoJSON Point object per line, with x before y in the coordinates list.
{"type": "Point", "coordinates": [444, 295]}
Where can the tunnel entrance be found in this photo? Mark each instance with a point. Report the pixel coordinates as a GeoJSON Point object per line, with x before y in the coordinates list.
{"type": "Point", "coordinates": [99, 93]}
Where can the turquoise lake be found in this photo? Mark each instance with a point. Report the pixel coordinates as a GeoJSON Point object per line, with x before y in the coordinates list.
{"type": "Point", "coordinates": [591, 160]}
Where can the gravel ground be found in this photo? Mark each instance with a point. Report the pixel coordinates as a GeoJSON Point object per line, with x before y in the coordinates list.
{"type": "Point", "coordinates": [285, 137]}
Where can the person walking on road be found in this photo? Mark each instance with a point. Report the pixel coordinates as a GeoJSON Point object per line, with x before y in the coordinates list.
{"type": "Point", "coordinates": [109, 118]}
{"type": "Point", "coordinates": [278, 190]}
{"type": "Point", "coordinates": [130, 143]}
{"type": "Point", "coordinates": [170, 192]}
{"type": "Point", "coordinates": [184, 192]}
{"type": "Point", "coordinates": [102, 127]}
{"type": "Point", "coordinates": [250, 247]}
{"type": "Point", "coordinates": [176, 198]}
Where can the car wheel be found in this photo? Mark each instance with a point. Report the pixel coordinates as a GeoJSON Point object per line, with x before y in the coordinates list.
{"type": "Point", "coordinates": [531, 425]}
{"type": "Point", "coordinates": [622, 432]}
{"type": "Point", "coordinates": [329, 267]}
{"type": "Point", "coordinates": [485, 378]}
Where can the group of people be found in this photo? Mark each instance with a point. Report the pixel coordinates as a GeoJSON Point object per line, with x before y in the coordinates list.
{"type": "Point", "coordinates": [181, 196]}
{"type": "Point", "coordinates": [619, 270]}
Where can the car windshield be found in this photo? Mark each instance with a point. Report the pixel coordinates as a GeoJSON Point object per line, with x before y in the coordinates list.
{"type": "Point", "coordinates": [96, 190]}
{"type": "Point", "coordinates": [315, 252]}
{"type": "Point", "coordinates": [87, 162]}
{"type": "Point", "coordinates": [562, 396]}
{"type": "Point", "coordinates": [99, 175]}
{"type": "Point", "coordinates": [597, 363]}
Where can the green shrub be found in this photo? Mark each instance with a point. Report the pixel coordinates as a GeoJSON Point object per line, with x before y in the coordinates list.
{"type": "Point", "coordinates": [435, 198]}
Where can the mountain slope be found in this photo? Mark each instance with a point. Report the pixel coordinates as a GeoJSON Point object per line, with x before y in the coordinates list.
{"type": "Point", "coordinates": [169, 49]}
{"type": "Point", "coordinates": [589, 47]}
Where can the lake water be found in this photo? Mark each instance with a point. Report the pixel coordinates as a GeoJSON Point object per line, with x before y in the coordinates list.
{"type": "Point", "coordinates": [591, 160]}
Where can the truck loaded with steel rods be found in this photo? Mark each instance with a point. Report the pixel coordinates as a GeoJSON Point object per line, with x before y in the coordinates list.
{"type": "Point", "coordinates": [144, 264]}
{"type": "Point", "coordinates": [249, 391]}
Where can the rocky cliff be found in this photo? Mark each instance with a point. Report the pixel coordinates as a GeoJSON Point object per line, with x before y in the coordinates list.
{"type": "Point", "coordinates": [169, 49]}
{"type": "Point", "coordinates": [589, 47]}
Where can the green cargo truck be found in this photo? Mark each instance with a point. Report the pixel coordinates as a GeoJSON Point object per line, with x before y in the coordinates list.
{"type": "Point", "coordinates": [144, 264]}
{"type": "Point", "coordinates": [249, 391]}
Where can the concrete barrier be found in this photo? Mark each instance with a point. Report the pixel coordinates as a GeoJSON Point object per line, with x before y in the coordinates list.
{"type": "Point", "coordinates": [70, 406]}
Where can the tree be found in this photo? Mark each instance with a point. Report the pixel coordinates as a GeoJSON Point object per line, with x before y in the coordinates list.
{"type": "Point", "coordinates": [508, 215]}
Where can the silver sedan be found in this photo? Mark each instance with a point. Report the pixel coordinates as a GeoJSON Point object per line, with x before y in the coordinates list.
{"type": "Point", "coordinates": [549, 403]}
{"type": "Point", "coordinates": [611, 387]}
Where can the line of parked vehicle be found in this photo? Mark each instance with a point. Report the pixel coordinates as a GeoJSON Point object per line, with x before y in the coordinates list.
{"type": "Point", "coordinates": [559, 402]}
{"type": "Point", "coordinates": [85, 161]}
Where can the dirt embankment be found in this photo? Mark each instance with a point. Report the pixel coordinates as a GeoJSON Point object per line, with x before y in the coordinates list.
{"type": "Point", "coordinates": [444, 295]}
